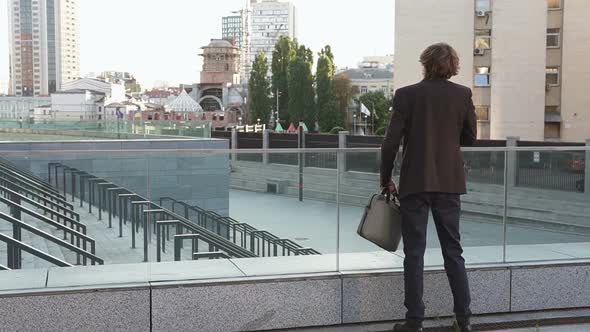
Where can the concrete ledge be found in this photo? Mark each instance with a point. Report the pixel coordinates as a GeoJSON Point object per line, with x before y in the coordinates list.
{"type": "Point", "coordinates": [381, 298]}
{"type": "Point", "coordinates": [23, 279]}
{"type": "Point", "coordinates": [122, 310]}
{"type": "Point", "coordinates": [550, 288]}
{"type": "Point", "coordinates": [247, 307]}
{"type": "Point", "coordinates": [220, 296]}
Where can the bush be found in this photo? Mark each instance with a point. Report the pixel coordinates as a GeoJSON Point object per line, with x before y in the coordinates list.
{"type": "Point", "coordinates": [336, 130]}
{"type": "Point", "coordinates": [381, 131]}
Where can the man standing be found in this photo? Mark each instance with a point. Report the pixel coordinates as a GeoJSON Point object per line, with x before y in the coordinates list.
{"type": "Point", "coordinates": [435, 117]}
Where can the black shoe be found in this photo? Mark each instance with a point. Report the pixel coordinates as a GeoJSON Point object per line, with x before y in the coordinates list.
{"type": "Point", "coordinates": [463, 326]}
{"type": "Point", "coordinates": [407, 328]}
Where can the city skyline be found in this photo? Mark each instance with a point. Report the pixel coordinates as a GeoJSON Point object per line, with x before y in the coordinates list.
{"type": "Point", "coordinates": [156, 49]}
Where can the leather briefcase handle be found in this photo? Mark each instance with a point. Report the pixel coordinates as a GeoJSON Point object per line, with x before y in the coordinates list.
{"type": "Point", "coordinates": [390, 197]}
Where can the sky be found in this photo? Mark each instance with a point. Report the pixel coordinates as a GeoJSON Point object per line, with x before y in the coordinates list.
{"type": "Point", "coordinates": [160, 40]}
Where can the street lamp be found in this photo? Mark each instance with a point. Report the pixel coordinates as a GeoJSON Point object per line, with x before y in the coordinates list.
{"type": "Point", "coordinates": [278, 95]}
{"type": "Point", "coordinates": [258, 121]}
{"type": "Point", "coordinates": [354, 124]}
{"type": "Point", "coordinates": [240, 121]}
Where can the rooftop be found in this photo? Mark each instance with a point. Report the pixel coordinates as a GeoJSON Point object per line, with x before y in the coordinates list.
{"type": "Point", "coordinates": [368, 74]}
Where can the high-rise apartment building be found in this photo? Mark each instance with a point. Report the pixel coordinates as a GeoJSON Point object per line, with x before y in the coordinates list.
{"type": "Point", "coordinates": [43, 45]}
{"type": "Point", "coordinates": [271, 19]}
{"type": "Point", "coordinates": [237, 28]}
{"type": "Point", "coordinates": [525, 61]}
{"type": "Point", "coordinates": [231, 29]}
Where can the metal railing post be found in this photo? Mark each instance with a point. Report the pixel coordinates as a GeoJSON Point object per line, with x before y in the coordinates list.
{"type": "Point", "coordinates": [301, 158]}
{"type": "Point", "coordinates": [65, 181]}
{"type": "Point", "coordinates": [265, 145]}
{"type": "Point", "coordinates": [158, 243]}
{"type": "Point", "coordinates": [505, 208]}
{"type": "Point", "coordinates": [234, 144]}
{"type": "Point", "coordinates": [512, 157]}
{"type": "Point", "coordinates": [586, 181]}
{"type": "Point", "coordinates": [177, 247]}
{"type": "Point", "coordinates": [145, 238]}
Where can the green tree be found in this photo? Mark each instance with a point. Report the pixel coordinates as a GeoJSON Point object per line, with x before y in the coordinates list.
{"type": "Point", "coordinates": [379, 105]}
{"type": "Point", "coordinates": [259, 90]}
{"type": "Point", "coordinates": [328, 110]}
{"type": "Point", "coordinates": [301, 89]}
{"type": "Point", "coordinates": [343, 92]}
{"type": "Point", "coordinates": [330, 116]}
{"type": "Point", "coordinates": [283, 54]}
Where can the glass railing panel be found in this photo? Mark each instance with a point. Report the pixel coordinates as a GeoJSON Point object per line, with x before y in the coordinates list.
{"type": "Point", "coordinates": [290, 205]}
{"type": "Point", "coordinates": [481, 213]}
{"type": "Point", "coordinates": [548, 206]}
{"type": "Point", "coordinates": [482, 228]}
{"type": "Point", "coordinates": [257, 213]}
{"type": "Point", "coordinates": [358, 181]}
{"type": "Point", "coordinates": [110, 129]}
{"type": "Point", "coordinates": [69, 203]}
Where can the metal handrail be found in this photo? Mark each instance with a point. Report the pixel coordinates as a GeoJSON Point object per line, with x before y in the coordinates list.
{"type": "Point", "coordinates": [75, 234]}
{"type": "Point", "coordinates": [25, 173]}
{"type": "Point", "coordinates": [22, 171]}
{"type": "Point", "coordinates": [211, 237]}
{"type": "Point", "coordinates": [33, 251]}
{"type": "Point", "coordinates": [39, 198]}
{"type": "Point", "coordinates": [210, 255]}
{"type": "Point", "coordinates": [208, 236]}
{"type": "Point", "coordinates": [297, 150]}
{"type": "Point", "coordinates": [161, 237]}
{"type": "Point", "coordinates": [41, 206]}
{"type": "Point", "coordinates": [34, 181]}
{"type": "Point", "coordinates": [15, 222]}
{"type": "Point", "coordinates": [178, 239]}
{"type": "Point", "coordinates": [253, 232]}
{"type": "Point", "coordinates": [73, 223]}
{"type": "Point", "coordinates": [33, 187]}
{"type": "Point", "coordinates": [4, 268]}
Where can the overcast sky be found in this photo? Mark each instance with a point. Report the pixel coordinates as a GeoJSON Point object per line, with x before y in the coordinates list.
{"type": "Point", "coordinates": [160, 39]}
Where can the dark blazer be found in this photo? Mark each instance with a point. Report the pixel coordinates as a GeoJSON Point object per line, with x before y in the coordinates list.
{"type": "Point", "coordinates": [435, 118]}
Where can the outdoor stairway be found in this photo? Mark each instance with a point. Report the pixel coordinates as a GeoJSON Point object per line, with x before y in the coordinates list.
{"type": "Point", "coordinates": [204, 232]}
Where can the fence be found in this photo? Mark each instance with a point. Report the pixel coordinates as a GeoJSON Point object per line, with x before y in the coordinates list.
{"type": "Point", "coordinates": [543, 170]}
{"type": "Point", "coordinates": [557, 170]}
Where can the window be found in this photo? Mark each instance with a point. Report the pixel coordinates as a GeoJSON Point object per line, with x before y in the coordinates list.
{"type": "Point", "coordinates": [552, 76]}
{"type": "Point", "coordinates": [364, 89]}
{"type": "Point", "coordinates": [551, 109]}
{"type": "Point", "coordinates": [483, 113]}
{"type": "Point", "coordinates": [554, 4]}
{"type": "Point", "coordinates": [552, 130]}
{"type": "Point", "coordinates": [553, 38]}
{"type": "Point", "coordinates": [482, 6]}
{"type": "Point", "coordinates": [482, 76]}
{"type": "Point", "coordinates": [483, 39]}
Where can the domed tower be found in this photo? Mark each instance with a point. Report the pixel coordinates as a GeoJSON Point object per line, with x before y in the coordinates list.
{"type": "Point", "coordinates": [221, 63]}
{"type": "Point", "coordinates": [185, 108]}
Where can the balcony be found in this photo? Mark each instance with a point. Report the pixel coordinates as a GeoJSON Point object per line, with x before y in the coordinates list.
{"type": "Point", "coordinates": [186, 234]}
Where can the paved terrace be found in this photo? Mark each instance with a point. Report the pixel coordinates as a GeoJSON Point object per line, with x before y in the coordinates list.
{"type": "Point", "coordinates": [314, 224]}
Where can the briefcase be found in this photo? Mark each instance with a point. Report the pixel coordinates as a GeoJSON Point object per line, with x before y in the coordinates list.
{"type": "Point", "coordinates": [382, 223]}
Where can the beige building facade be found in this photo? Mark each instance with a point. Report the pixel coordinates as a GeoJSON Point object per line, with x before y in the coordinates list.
{"type": "Point", "coordinates": [524, 60]}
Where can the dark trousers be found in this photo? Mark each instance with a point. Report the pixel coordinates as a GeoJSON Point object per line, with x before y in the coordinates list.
{"type": "Point", "coordinates": [446, 210]}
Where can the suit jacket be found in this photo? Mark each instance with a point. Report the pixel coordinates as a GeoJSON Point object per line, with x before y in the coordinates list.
{"type": "Point", "coordinates": [434, 118]}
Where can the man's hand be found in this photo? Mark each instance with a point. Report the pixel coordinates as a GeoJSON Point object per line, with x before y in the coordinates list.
{"type": "Point", "coordinates": [390, 188]}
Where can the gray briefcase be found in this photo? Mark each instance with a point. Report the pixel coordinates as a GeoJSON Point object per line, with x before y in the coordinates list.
{"type": "Point", "coordinates": [382, 223]}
